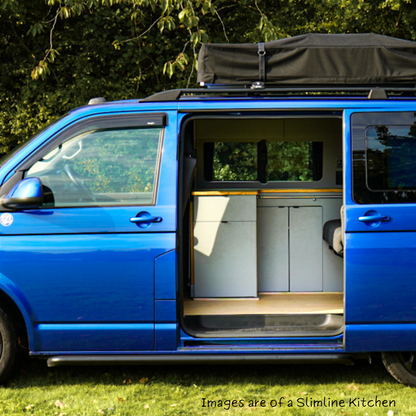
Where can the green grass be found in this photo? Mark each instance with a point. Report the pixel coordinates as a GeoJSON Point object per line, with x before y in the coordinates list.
{"type": "Point", "coordinates": [180, 390]}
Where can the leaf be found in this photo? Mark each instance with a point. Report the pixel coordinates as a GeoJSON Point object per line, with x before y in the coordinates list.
{"type": "Point", "coordinates": [164, 5]}
{"type": "Point", "coordinates": [182, 14]}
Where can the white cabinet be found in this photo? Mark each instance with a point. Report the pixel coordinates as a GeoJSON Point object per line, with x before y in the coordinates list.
{"type": "Point", "coordinates": [289, 249]}
{"type": "Point", "coordinates": [225, 246]}
{"type": "Point", "coordinates": [273, 249]}
{"type": "Point", "coordinates": [305, 249]}
{"type": "Point", "coordinates": [244, 245]}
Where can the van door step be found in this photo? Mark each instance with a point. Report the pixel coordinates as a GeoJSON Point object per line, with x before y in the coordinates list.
{"type": "Point", "coordinates": [249, 326]}
{"type": "Point", "coordinates": [155, 359]}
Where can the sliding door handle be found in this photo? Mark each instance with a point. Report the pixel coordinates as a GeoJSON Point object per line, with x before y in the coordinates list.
{"type": "Point", "coordinates": [372, 218]}
{"type": "Point", "coordinates": [138, 220]}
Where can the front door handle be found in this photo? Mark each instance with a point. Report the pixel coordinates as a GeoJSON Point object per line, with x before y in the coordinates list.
{"type": "Point", "coordinates": [371, 218]}
{"type": "Point", "coordinates": [144, 219]}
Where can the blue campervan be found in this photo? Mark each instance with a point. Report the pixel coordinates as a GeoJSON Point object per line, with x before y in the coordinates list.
{"type": "Point", "coordinates": [229, 223]}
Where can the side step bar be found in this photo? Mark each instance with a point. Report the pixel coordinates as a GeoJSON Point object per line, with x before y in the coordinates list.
{"type": "Point", "coordinates": [200, 359]}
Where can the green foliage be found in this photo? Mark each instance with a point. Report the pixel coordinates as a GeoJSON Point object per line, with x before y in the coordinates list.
{"type": "Point", "coordinates": [57, 54]}
{"type": "Point", "coordinates": [235, 161]}
{"type": "Point", "coordinates": [119, 161]}
{"type": "Point", "coordinates": [285, 161]}
{"type": "Point", "coordinates": [290, 161]}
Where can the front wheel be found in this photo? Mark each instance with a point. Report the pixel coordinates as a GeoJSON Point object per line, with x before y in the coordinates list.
{"type": "Point", "coordinates": [402, 366]}
{"type": "Point", "coordinates": [8, 346]}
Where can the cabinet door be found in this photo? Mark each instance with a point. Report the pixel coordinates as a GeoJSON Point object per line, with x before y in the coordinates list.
{"type": "Point", "coordinates": [305, 249]}
{"type": "Point", "coordinates": [225, 259]}
{"type": "Point", "coordinates": [273, 249]}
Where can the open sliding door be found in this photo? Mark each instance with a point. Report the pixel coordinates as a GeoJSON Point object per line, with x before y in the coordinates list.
{"type": "Point", "coordinates": [380, 230]}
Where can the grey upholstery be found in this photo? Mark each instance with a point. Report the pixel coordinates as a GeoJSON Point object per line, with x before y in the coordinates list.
{"type": "Point", "coordinates": [333, 234]}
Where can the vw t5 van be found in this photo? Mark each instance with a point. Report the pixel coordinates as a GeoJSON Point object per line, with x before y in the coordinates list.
{"type": "Point", "coordinates": [266, 217]}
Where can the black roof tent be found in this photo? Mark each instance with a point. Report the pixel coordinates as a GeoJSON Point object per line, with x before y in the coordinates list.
{"type": "Point", "coordinates": [312, 59]}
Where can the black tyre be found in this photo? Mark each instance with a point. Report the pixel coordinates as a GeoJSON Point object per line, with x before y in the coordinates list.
{"type": "Point", "coordinates": [402, 366]}
{"type": "Point", "coordinates": [8, 346]}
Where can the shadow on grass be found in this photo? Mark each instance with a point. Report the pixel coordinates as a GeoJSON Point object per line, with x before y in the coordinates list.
{"type": "Point", "coordinates": [36, 373]}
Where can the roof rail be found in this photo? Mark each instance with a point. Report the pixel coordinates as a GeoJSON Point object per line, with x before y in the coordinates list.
{"type": "Point", "coordinates": [371, 92]}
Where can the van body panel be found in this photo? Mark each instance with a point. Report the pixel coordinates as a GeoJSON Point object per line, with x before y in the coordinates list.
{"type": "Point", "coordinates": [82, 272]}
{"type": "Point", "coordinates": [380, 337]}
{"type": "Point", "coordinates": [380, 284]}
{"type": "Point", "coordinates": [95, 264]}
{"type": "Point", "coordinates": [379, 257]}
{"type": "Point", "coordinates": [165, 276]}
{"type": "Point", "coordinates": [93, 337]}
{"type": "Point", "coordinates": [114, 286]}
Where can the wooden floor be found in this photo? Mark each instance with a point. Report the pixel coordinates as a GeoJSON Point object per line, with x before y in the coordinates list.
{"type": "Point", "coordinates": [279, 303]}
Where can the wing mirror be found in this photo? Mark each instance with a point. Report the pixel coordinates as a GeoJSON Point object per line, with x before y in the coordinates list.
{"type": "Point", "coordinates": [26, 194]}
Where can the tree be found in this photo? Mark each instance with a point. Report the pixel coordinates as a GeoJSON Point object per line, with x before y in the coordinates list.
{"type": "Point", "coordinates": [57, 54]}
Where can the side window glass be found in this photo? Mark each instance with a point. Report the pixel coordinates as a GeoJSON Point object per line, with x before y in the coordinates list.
{"type": "Point", "coordinates": [264, 161]}
{"type": "Point", "coordinates": [231, 161]}
{"type": "Point", "coordinates": [102, 167]}
{"type": "Point", "coordinates": [384, 150]}
{"type": "Point", "coordinates": [391, 152]}
{"type": "Point", "coordinates": [294, 161]}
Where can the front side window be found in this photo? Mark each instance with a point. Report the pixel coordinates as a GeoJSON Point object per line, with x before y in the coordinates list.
{"type": "Point", "coordinates": [108, 166]}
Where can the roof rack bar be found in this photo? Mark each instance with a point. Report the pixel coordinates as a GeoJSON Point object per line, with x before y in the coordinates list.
{"type": "Point", "coordinates": [372, 92]}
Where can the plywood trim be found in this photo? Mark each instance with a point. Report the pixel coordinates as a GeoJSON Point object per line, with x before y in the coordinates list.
{"type": "Point", "coordinates": [266, 191]}
{"type": "Point", "coordinates": [221, 193]}
{"type": "Point", "coordinates": [269, 304]}
{"type": "Point", "coordinates": [308, 191]}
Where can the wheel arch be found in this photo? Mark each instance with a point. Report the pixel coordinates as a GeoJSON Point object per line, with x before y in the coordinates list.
{"type": "Point", "coordinates": [9, 306]}
{"type": "Point", "coordinates": [14, 303]}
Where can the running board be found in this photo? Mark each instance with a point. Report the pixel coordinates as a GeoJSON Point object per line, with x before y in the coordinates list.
{"type": "Point", "coordinates": [200, 359]}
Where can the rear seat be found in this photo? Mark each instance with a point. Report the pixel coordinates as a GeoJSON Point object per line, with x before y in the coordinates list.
{"type": "Point", "coordinates": [333, 234]}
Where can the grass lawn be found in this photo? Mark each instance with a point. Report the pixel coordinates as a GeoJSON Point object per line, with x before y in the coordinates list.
{"type": "Point", "coordinates": [185, 390]}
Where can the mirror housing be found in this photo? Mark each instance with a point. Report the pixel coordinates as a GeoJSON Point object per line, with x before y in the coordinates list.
{"type": "Point", "coordinates": [28, 193]}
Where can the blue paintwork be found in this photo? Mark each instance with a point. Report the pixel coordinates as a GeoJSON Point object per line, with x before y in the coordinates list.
{"type": "Point", "coordinates": [380, 337]}
{"type": "Point", "coordinates": [91, 280]}
{"type": "Point", "coordinates": [166, 337]}
{"type": "Point", "coordinates": [28, 188]}
{"type": "Point", "coordinates": [381, 284]}
{"type": "Point", "coordinates": [380, 268]}
{"type": "Point", "coordinates": [165, 269]}
{"type": "Point", "coordinates": [165, 311]}
{"type": "Point", "coordinates": [90, 268]}
{"type": "Point", "coordinates": [55, 338]}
